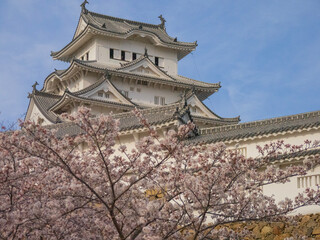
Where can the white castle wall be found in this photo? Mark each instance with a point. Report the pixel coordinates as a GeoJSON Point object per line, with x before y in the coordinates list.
{"type": "Point", "coordinates": [297, 184]}
{"type": "Point", "coordinates": [102, 46]}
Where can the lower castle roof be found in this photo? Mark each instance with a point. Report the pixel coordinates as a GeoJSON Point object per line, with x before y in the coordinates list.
{"type": "Point", "coordinates": [250, 130]}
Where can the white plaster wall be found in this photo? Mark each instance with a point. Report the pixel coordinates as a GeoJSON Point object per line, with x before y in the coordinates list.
{"type": "Point", "coordinates": [36, 114]}
{"type": "Point", "coordinates": [170, 63]}
{"type": "Point", "coordinates": [296, 138]}
{"type": "Point", "coordinates": [89, 79]}
{"type": "Point", "coordinates": [84, 81]}
{"type": "Point", "coordinates": [147, 93]}
{"type": "Point", "coordinates": [90, 47]}
{"type": "Point", "coordinates": [290, 190]}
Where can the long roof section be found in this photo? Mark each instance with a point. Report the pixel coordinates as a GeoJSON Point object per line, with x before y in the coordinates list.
{"type": "Point", "coordinates": [251, 130]}
{"type": "Point", "coordinates": [125, 26]}
{"type": "Point", "coordinates": [128, 121]}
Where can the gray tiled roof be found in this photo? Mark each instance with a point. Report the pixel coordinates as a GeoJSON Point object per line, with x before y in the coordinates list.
{"type": "Point", "coordinates": [124, 26]}
{"type": "Point", "coordinates": [129, 121]}
{"type": "Point", "coordinates": [91, 100]}
{"type": "Point", "coordinates": [89, 88]}
{"type": "Point", "coordinates": [258, 128]}
{"type": "Point", "coordinates": [297, 154]}
{"type": "Point", "coordinates": [155, 115]}
{"type": "Point", "coordinates": [175, 80]}
{"type": "Point", "coordinates": [216, 122]}
{"type": "Point", "coordinates": [44, 101]}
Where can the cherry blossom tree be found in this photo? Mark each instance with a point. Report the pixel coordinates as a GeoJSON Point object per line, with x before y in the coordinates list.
{"type": "Point", "coordinates": [88, 186]}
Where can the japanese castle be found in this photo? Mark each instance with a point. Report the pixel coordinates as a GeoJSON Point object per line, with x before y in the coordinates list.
{"type": "Point", "coordinates": [117, 65]}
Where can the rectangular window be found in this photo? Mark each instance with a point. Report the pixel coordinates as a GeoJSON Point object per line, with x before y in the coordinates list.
{"type": "Point", "coordinates": [87, 56]}
{"type": "Point", "coordinates": [107, 95]}
{"type": "Point", "coordinates": [111, 53]}
{"type": "Point", "coordinates": [156, 61]}
{"type": "Point", "coordinates": [134, 56]}
{"type": "Point", "coordinates": [123, 55]}
{"type": "Point", "coordinates": [159, 100]}
{"type": "Point", "coordinates": [141, 82]}
{"type": "Point", "coordinates": [100, 94]}
{"type": "Point", "coordinates": [156, 100]}
{"type": "Point", "coordinates": [82, 58]}
{"type": "Point", "coordinates": [163, 101]}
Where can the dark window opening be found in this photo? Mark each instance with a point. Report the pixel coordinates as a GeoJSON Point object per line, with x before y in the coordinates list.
{"type": "Point", "coordinates": [156, 61]}
{"type": "Point", "coordinates": [141, 82]}
{"type": "Point", "coordinates": [134, 56]}
{"type": "Point", "coordinates": [87, 56]}
{"type": "Point", "coordinates": [123, 55]}
{"type": "Point", "coordinates": [111, 53]}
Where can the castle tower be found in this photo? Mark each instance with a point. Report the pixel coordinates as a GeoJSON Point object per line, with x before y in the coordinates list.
{"type": "Point", "coordinates": [117, 65]}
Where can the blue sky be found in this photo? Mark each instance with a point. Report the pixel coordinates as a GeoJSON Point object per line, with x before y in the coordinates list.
{"type": "Point", "coordinates": [266, 54]}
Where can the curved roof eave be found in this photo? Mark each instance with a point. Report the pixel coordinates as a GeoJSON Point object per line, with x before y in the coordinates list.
{"type": "Point", "coordinates": [58, 55]}
{"type": "Point", "coordinates": [44, 113]}
{"type": "Point", "coordinates": [212, 88]}
{"type": "Point", "coordinates": [235, 119]}
{"type": "Point", "coordinates": [76, 97]}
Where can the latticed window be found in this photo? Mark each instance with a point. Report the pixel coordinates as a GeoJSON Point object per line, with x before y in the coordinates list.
{"type": "Point", "coordinates": [162, 101]}
{"type": "Point", "coordinates": [156, 100]}
{"type": "Point", "coordinates": [134, 56]}
{"type": "Point", "coordinates": [111, 53]}
{"type": "Point", "coordinates": [159, 100]}
{"type": "Point", "coordinates": [100, 93]}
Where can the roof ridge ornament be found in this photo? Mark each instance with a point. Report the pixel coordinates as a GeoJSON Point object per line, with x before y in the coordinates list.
{"type": "Point", "coordinates": [34, 87]}
{"type": "Point", "coordinates": [107, 74]}
{"type": "Point", "coordinates": [146, 52]}
{"type": "Point", "coordinates": [83, 7]}
{"type": "Point", "coordinates": [184, 98]}
{"type": "Point", "coordinates": [163, 22]}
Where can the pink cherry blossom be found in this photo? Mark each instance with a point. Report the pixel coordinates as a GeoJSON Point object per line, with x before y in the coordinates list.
{"type": "Point", "coordinates": [88, 187]}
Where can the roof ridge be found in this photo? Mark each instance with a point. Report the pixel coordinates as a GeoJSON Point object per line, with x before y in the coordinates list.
{"type": "Point", "coordinates": [127, 64]}
{"type": "Point", "coordinates": [142, 58]}
{"type": "Point", "coordinates": [125, 20]}
{"type": "Point", "coordinates": [268, 121]}
{"type": "Point", "coordinates": [219, 83]}
{"type": "Point", "coordinates": [46, 94]}
{"type": "Point", "coordinates": [72, 95]}
{"type": "Point", "coordinates": [89, 88]}
{"type": "Point", "coordinates": [148, 110]}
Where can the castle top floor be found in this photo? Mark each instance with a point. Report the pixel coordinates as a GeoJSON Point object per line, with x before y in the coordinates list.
{"type": "Point", "coordinates": [114, 41]}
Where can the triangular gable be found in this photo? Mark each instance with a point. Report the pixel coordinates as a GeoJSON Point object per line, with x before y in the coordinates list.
{"type": "Point", "coordinates": [199, 109]}
{"type": "Point", "coordinates": [81, 26]}
{"type": "Point", "coordinates": [35, 114]}
{"type": "Point", "coordinates": [106, 91]}
{"type": "Point", "coordinates": [144, 66]}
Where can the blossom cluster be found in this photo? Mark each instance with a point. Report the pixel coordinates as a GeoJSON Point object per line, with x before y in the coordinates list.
{"type": "Point", "coordinates": [87, 186]}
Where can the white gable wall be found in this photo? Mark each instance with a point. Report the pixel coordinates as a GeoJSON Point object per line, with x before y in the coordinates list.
{"type": "Point", "coordinates": [34, 114]}
{"type": "Point", "coordinates": [147, 93]}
